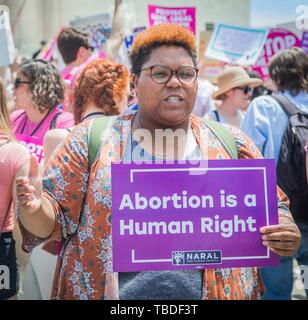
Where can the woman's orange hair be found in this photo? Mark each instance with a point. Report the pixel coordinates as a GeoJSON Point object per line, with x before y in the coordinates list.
{"type": "Point", "coordinates": [160, 35]}
{"type": "Point", "coordinates": [164, 33]}
{"type": "Point", "coordinates": [101, 81]}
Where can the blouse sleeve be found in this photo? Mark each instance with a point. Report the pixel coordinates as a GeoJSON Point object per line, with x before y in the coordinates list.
{"type": "Point", "coordinates": [64, 185]}
{"type": "Point", "coordinates": [248, 150]}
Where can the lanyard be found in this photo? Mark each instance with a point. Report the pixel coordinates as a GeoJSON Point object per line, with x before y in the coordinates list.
{"type": "Point", "coordinates": [38, 126]}
{"type": "Point", "coordinates": [3, 144]}
{"type": "Point", "coordinates": [90, 115]}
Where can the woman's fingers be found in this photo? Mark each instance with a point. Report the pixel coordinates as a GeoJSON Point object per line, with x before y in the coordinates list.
{"type": "Point", "coordinates": [22, 180]}
{"type": "Point", "coordinates": [282, 252]}
{"type": "Point", "coordinates": [279, 236]}
{"type": "Point", "coordinates": [25, 199]}
{"type": "Point", "coordinates": [276, 228]}
{"type": "Point", "coordinates": [23, 189]}
{"type": "Point", "coordinates": [282, 239]}
{"type": "Point", "coordinates": [280, 245]}
{"type": "Point", "coordinates": [33, 173]}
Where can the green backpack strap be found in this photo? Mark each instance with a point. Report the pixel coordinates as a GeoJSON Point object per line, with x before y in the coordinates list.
{"type": "Point", "coordinates": [97, 129]}
{"type": "Point", "coordinates": [224, 136]}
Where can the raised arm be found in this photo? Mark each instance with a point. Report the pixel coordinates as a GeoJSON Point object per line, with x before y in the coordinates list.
{"type": "Point", "coordinates": [117, 31]}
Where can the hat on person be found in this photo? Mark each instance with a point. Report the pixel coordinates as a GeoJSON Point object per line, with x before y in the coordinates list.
{"type": "Point", "coordinates": [234, 77]}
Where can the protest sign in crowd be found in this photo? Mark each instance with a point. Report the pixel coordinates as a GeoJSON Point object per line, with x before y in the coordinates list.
{"type": "Point", "coordinates": [125, 174]}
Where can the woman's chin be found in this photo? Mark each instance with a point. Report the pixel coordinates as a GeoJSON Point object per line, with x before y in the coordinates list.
{"type": "Point", "coordinates": [174, 118]}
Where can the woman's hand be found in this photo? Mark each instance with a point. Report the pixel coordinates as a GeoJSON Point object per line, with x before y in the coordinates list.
{"type": "Point", "coordinates": [29, 189]}
{"type": "Point", "coordinates": [284, 238]}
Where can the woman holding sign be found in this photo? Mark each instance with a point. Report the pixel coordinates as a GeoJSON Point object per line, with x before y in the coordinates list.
{"type": "Point", "coordinates": [14, 163]}
{"type": "Point", "coordinates": [74, 203]}
{"type": "Point", "coordinates": [38, 91]}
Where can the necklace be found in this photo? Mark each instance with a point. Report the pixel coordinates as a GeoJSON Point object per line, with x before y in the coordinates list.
{"type": "Point", "coordinates": [39, 125]}
{"type": "Point", "coordinates": [90, 115]}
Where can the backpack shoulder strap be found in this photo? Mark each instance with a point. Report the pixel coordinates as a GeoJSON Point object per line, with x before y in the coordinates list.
{"type": "Point", "coordinates": [224, 136]}
{"type": "Point", "coordinates": [217, 115]}
{"type": "Point", "coordinates": [97, 129]}
{"type": "Point", "coordinates": [288, 107]}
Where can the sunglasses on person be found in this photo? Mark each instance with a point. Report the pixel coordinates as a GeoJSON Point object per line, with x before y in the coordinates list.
{"type": "Point", "coordinates": [18, 82]}
{"type": "Point", "coordinates": [162, 74]}
{"type": "Point", "coordinates": [245, 89]}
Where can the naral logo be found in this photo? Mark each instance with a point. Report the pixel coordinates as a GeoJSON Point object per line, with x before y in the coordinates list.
{"type": "Point", "coordinates": [181, 258]}
{"type": "Point", "coordinates": [4, 277]}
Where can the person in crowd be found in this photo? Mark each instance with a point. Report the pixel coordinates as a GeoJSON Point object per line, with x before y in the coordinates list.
{"type": "Point", "coordinates": [265, 123]}
{"type": "Point", "coordinates": [73, 202]}
{"type": "Point", "coordinates": [76, 51]}
{"type": "Point", "coordinates": [101, 89]}
{"type": "Point", "coordinates": [235, 92]}
{"type": "Point", "coordinates": [38, 92]}
{"type": "Point", "coordinates": [204, 101]}
{"type": "Point", "coordinates": [14, 163]}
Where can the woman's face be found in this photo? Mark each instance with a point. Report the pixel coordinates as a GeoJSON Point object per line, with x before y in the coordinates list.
{"type": "Point", "coordinates": [22, 93]}
{"type": "Point", "coordinates": [238, 98]}
{"type": "Point", "coordinates": [168, 104]}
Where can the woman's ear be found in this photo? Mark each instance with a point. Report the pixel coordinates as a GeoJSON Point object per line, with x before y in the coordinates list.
{"type": "Point", "coordinates": [133, 82]}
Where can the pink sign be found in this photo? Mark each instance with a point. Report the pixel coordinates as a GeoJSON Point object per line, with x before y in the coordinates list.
{"type": "Point", "coordinates": [185, 16]}
{"type": "Point", "coordinates": [33, 144]}
{"type": "Point", "coordinates": [277, 40]}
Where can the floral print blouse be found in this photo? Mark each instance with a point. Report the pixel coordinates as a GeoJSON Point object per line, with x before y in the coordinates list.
{"type": "Point", "coordinates": [82, 205]}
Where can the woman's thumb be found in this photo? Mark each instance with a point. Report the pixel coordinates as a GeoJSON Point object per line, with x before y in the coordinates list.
{"type": "Point", "coordinates": [33, 173]}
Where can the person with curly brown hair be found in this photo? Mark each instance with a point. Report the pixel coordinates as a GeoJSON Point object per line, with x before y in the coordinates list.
{"type": "Point", "coordinates": [74, 201]}
{"type": "Point", "coordinates": [38, 92]}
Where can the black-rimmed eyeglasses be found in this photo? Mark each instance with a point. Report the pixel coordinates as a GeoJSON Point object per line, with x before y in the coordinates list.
{"type": "Point", "coordinates": [18, 82]}
{"type": "Point", "coordinates": [162, 74]}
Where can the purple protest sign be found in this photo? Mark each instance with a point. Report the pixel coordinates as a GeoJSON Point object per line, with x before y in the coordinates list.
{"type": "Point", "coordinates": [184, 216]}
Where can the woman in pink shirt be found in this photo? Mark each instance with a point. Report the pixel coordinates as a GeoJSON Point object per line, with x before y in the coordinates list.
{"type": "Point", "coordinates": [38, 91]}
{"type": "Point", "coordinates": [14, 163]}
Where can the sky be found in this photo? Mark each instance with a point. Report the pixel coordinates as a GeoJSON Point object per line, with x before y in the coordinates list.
{"type": "Point", "coordinates": [271, 12]}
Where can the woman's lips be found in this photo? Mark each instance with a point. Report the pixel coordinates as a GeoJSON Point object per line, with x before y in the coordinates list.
{"type": "Point", "coordinates": [174, 97]}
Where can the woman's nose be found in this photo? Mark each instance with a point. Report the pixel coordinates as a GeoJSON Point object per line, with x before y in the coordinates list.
{"type": "Point", "coordinates": [174, 81]}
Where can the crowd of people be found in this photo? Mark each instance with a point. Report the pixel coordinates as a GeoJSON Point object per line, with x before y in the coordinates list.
{"type": "Point", "coordinates": [56, 199]}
